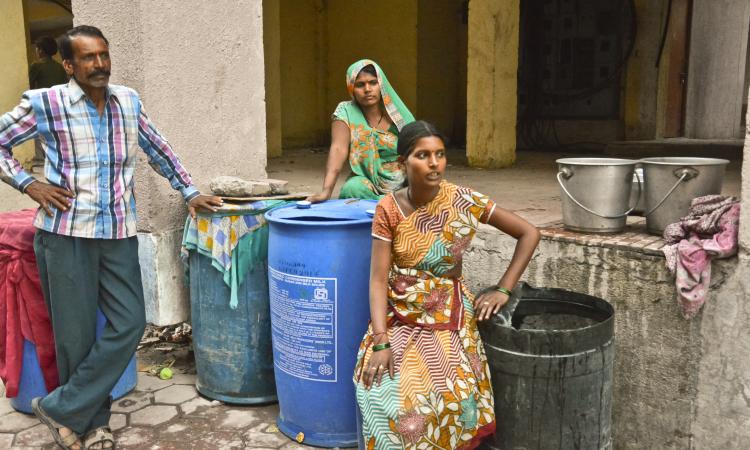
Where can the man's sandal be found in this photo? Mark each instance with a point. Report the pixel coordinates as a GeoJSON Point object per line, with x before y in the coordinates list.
{"type": "Point", "coordinates": [64, 442]}
{"type": "Point", "coordinates": [101, 435]}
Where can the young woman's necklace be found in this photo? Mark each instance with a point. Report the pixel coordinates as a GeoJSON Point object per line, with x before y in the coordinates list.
{"type": "Point", "coordinates": [408, 196]}
{"type": "Point", "coordinates": [377, 124]}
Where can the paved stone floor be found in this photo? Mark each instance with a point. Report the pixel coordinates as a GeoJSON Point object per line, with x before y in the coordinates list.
{"type": "Point", "coordinates": [166, 415]}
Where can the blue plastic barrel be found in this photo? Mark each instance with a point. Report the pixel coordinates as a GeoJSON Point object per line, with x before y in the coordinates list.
{"type": "Point", "coordinates": [129, 378]}
{"type": "Point", "coordinates": [32, 384]}
{"type": "Point", "coordinates": [233, 358]}
{"type": "Point", "coordinates": [318, 278]}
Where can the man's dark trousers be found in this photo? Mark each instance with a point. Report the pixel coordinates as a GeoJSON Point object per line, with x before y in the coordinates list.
{"type": "Point", "coordinates": [79, 275]}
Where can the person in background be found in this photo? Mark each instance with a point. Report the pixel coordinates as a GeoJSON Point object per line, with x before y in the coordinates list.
{"type": "Point", "coordinates": [365, 131]}
{"type": "Point", "coordinates": [45, 73]}
{"type": "Point", "coordinates": [85, 244]}
{"type": "Point", "coordinates": [422, 378]}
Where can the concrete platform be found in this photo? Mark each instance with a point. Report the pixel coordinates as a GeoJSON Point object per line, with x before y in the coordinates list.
{"type": "Point", "coordinates": [529, 188]}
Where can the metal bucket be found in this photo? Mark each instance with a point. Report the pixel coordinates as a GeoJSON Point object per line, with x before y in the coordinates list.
{"type": "Point", "coordinates": [635, 198]}
{"type": "Point", "coordinates": [595, 193]}
{"type": "Point", "coordinates": [672, 183]}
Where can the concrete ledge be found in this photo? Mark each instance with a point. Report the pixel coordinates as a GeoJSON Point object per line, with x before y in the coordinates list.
{"type": "Point", "coordinates": [659, 354]}
{"type": "Point", "coordinates": [634, 238]}
{"type": "Point", "coordinates": [166, 295]}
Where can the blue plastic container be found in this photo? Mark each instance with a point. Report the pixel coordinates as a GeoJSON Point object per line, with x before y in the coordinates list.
{"type": "Point", "coordinates": [318, 278]}
{"type": "Point", "coordinates": [232, 347]}
{"type": "Point", "coordinates": [129, 378]}
{"type": "Point", "coordinates": [31, 384]}
{"type": "Point", "coordinates": [32, 381]}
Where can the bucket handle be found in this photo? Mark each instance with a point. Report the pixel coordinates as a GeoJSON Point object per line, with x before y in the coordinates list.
{"type": "Point", "coordinates": [683, 174]}
{"type": "Point", "coordinates": [567, 173]}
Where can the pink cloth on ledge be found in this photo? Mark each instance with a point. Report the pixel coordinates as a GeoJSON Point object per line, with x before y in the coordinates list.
{"type": "Point", "coordinates": [23, 313]}
{"type": "Point", "coordinates": [708, 231]}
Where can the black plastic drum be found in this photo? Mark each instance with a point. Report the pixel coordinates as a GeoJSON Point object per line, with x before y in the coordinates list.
{"type": "Point", "coordinates": [552, 371]}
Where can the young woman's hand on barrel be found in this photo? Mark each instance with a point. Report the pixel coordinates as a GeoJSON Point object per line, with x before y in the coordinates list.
{"type": "Point", "coordinates": [489, 303]}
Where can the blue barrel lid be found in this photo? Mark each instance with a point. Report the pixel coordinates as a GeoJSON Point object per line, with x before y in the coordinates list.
{"type": "Point", "coordinates": [348, 211]}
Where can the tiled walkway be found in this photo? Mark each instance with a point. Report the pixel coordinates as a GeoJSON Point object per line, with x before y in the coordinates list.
{"type": "Point", "coordinates": [162, 414]}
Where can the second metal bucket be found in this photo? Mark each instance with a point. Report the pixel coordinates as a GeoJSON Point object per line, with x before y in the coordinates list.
{"type": "Point", "coordinates": [595, 193]}
{"type": "Point", "coordinates": [672, 183]}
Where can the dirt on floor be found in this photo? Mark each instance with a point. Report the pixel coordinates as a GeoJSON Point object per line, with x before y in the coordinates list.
{"type": "Point", "coordinates": [166, 347]}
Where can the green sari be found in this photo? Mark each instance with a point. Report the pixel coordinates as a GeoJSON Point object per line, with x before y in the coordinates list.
{"type": "Point", "coordinates": [372, 152]}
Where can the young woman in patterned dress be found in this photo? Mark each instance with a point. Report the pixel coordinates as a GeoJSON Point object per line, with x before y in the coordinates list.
{"type": "Point", "coordinates": [422, 379]}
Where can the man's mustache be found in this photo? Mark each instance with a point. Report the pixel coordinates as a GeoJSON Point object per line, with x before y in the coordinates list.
{"type": "Point", "coordinates": [99, 72]}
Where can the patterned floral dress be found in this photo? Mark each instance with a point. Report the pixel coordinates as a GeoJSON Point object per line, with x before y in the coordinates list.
{"type": "Point", "coordinates": [441, 395]}
{"type": "Point", "coordinates": [372, 152]}
{"type": "Point", "coordinates": [372, 158]}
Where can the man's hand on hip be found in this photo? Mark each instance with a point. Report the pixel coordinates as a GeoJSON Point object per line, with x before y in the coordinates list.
{"type": "Point", "coordinates": [207, 203]}
{"type": "Point", "coordinates": [49, 195]}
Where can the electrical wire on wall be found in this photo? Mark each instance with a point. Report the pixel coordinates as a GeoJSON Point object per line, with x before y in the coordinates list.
{"type": "Point", "coordinates": [536, 128]}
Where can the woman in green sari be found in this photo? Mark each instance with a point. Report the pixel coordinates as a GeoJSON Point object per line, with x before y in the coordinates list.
{"type": "Point", "coordinates": [365, 130]}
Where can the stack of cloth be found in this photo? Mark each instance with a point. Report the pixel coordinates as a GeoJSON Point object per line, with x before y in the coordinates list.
{"type": "Point", "coordinates": [235, 238]}
{"type": "Point", "coordinates": [709, 231]}
{"type": "Point", "coordinates": [23, 313]}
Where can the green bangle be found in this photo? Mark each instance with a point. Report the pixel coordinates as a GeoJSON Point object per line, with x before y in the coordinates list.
{"type": "Point", "coordinates": [503, 290]}
{"type": "Point", "coordinates": [378, 347]}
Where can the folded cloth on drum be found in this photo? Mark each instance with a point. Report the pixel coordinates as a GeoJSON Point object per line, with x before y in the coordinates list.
{"type": "Point", "coordinates": [235, 238]}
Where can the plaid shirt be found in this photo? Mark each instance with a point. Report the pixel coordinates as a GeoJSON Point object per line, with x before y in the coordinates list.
{"type": "Point", "coordinates": [94, 156]}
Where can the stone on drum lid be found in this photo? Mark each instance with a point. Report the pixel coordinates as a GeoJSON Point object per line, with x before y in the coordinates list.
{"type": "Point", "coordinates": [237, 187]}
{"type": "Point", "coordinates": [231, 186]}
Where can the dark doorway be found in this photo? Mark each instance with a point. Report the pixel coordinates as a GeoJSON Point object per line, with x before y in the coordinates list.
{"type": "Point", "coordinates": [571, 59]}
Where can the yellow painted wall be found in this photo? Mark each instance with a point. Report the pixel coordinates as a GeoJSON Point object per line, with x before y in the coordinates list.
{"type": "Point", "coordinates": [492, 82]}
{"type": "Point", "coordinates": [384, 31]}
{"type": "Point", "coordinates": [40, 10]}
{"type": "Point", "coordinates": [459, 125]}
{"type": "Point", "coordinates": [304, 112]}
{"type": "Point", "coordinates": [15, 65]}
{"type": "Point", "coordinates": [320, 39]}
{"type": "Point", "coordinates": [271, 56]}
{"type": "Point", "coordinates": [441, 67]}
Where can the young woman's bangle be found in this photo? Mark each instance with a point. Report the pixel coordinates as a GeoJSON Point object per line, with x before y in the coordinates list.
{"type": "Point", "coordinates": [378, 347]}
{"type": "Point", "coordinates": [503, 290]}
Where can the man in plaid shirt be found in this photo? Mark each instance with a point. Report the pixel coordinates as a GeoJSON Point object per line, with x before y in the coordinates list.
{"type": "Point", "coordinates": [86, 245]}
